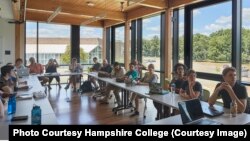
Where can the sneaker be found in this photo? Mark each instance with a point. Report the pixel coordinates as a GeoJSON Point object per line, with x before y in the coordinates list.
{"type": "Point", "coordinates": [49, 87]}
{"type": "Point", "coordinates": [136, 113]}
{"type": "Point", "coordinates": [67, 87]}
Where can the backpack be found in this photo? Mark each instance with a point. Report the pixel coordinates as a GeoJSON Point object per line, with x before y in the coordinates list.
{"type": "Point", "coordinates": [86, 87]}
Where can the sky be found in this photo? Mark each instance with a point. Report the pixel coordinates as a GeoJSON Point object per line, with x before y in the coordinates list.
{"type": "Point", "coordinates": [59, 30]}
{"type": "Point", "coordinates": [213, 18]}
{"type": "Point", "coordinates": [206, 20]}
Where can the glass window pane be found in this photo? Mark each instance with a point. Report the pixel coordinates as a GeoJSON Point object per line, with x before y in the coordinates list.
{"type": "Point", "coordinates": [181, 35]}
{"type": "Point", "coordinates": [90, 44]}
{"type": "Point", "coordinates": [212, 38]}
{"type": "Point", "coordinates": [151, 41]}
{"type": "Point", "coordinates": [119, 44]}
{"type": "Point", "coordinates": [54, 42]}
{"type": "Point", "coordinates": [245, 73]}
{"type": "Point", "coordinates": [208, 84]}
{"type": "Point", "coordinates": [31, 41]}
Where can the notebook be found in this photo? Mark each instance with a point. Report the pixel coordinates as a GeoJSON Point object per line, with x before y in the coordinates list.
{"type": "Point", "coordinates": [24, 96]}
{"type": "Point", "coordinates": [212, 111]}
{"type": "Point", "coordinates": [23, 72]}
{"type": "Point", "coordinates": [156, 88]}
{"type": "Point", "coordinates": [192, 114]}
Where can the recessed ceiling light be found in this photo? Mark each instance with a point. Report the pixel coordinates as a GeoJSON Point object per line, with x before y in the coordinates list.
{"type": "Point", "coordinates": [90, 4]}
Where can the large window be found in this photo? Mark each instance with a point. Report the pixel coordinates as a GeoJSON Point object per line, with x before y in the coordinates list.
{"type": "Point", "coordinates": [212, 37]}
{"type": "Point", "coordinates": [245, 72]}
{"type": "Point", "coordinates": [90, 44]}
{"type": "Point", "coordinates": [53, 42]}
{"type": "Point", "coordinates": [31, 41]}
{"type": "Point", "coordinates": [181, 36]}
{"type": "Point", "coordinates": [151, 41]}
{"type": "Point", "coordinates": [119, 44]}
{"type": "Point", "coordinates": [245, 69]}
{"type": "Point", "coordinates": [45, 41]}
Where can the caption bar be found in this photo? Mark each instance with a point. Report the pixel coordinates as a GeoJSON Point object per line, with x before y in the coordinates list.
{"type": "Point", "coordinates": [78, 132]}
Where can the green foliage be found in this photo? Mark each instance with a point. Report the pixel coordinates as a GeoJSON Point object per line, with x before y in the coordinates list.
{"type": "Point", "coordinates": [66, 57]}
{"type": "Point", "coordinates": [200, 47]}
{"type": "Point", "coordinates": [215, 47]}
{"type": "Point", "coordinates": [151, 47]}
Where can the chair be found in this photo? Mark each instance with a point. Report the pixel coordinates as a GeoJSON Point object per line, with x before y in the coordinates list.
{"type": "Point", "coordinates": [205, 95]}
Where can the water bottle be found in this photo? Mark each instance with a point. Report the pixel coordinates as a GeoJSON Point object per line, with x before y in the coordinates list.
{"type": "Point", "coordinates": [12, 104]}
{"type": "Point", "coordinates": [233, 108]}
{"type": "Point", "coordinates": [130, 79]}
{"type": "Point", "coordinates": [36, 113]}
{"type": "Point", "coordinates": [173, 87]}
{"type": "Point", "coordinates": [172, 90]}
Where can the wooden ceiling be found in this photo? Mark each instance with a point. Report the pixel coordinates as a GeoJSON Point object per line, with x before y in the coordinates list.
{"type": "Point", "coordinates": [104, 12]}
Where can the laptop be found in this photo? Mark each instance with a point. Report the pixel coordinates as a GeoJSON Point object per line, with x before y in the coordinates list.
{"type": "Point", "coordinates": [192, 114]}
{"type": "Point", "coordinates": [212, 111]}
{"type": "Point", "coordinates": [23, 72]}
{"type": "Point", "coordinates": [156, 88]}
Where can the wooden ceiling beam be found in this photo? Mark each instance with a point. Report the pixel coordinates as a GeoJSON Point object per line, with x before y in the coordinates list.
{"type": "Point", "coordinates": [70, 19]}
{"type": "Point", "coordinates": [75, 9]}
{"type": "Point", "coordinates": [142, 12]}
{"type": "Point", "coordinates": [181, 3]}
{"type": "Point", "coordinates": [108, 23]}
{"type": "Point", "coordinates": [158, 4]}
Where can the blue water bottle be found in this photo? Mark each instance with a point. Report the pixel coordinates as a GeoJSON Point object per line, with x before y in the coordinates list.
{"type": "Point", "coordinates": [36, 113]}
{"type": "Point", "coordinates": [12, 104]}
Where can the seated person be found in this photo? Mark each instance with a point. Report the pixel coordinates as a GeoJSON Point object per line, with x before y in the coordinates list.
{"type": "Point", "coordinates": [139, 67]}
{"type": "Point", "coordinates": [179, 76]}
{"type": "Point", "coordinates": [19, 64]}
{"type": "Point", "coordinates": [36, 68]}
{"type": "Point", "coordinates": [178, 79]}
{"type": "Point", "coordinates": [150, 77]}
{"type": "Point", "coordinates": [74, 67]}
{"type": "Point", "coordinates": [117, 72]}
{"type": "Point", "coordinates": [230, 90]}
{"type": "Point", "coordinates": [5, 80]}
{"type": "Point", "coordinates": [132, 74]}
{"type": "Point", "coordinates": [105, 69]}
{"type": "Point", "coordinates": [97, 66]}
{"type": "Point", "coordinates": [13, 78]}
{"type": "Point", "coordinates": [51, 67]}
{"type": "Point", "coordinates": [191, 88]}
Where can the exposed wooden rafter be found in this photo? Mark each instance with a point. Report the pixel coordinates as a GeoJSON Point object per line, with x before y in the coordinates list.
{"type": "Point", "coordinates": [158, 4]}
{"type": "Point", "coordinates": [73, 9]}
{"type": "Point", "coordinates": [142, 12]}
{"type": "Point", "coordinates": [181, 3]}
{"type": "Point", "coordinates": [42, 16]}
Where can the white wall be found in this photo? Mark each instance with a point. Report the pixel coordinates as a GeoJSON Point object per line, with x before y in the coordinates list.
{"type": "Point", "coordinates": [7, 42]}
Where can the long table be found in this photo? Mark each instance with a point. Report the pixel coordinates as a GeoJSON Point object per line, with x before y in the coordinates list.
{"type": "Point", "coordinates": [172, 100]}
{"type": "Point", "coordinates": [24, 107]}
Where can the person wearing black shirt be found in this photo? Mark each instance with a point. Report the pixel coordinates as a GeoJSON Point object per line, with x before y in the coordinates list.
{"type": "Point", "coordinates": [178, 79]}
{"type": "Point", "coordinates": [51, 67]}
{"type": "Point", "coordinates": [191, 88]}
{"type": "Point", "coordinates": [230, 90]}
{"type": "Point", "coordinates": [97, 66]}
